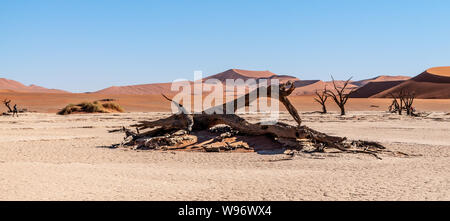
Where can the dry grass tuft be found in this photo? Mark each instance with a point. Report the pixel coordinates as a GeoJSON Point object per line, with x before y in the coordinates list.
{"type": "Point", "coordinates": [113, 106]}
{"type": "Point", "coordinates": [91, 107]}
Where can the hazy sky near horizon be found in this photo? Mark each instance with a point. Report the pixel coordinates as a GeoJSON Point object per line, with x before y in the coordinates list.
{"type": "Point", "coordinates": [89, 45]}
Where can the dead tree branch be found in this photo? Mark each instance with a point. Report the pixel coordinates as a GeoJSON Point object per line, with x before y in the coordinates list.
{"type": "Point", "coordinates": [322, 98]}
{"type": "Point", "coordinates": [408, 99]}
{"type": "Point", "coordinates": [339, 95]}
{"type": "Point", "coordinates": [403, 100]}
{"type": "Point", "coordinates": [7, 102]}
{"type": "Point", "coordinates": [174, 130]}
{"type": "Point", "coordinates": [284, 90]}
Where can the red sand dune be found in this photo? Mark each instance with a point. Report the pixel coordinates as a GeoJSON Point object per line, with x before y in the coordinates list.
{"type": "Point", "coordinates": [6, 91]}
{"type": "Point", "coordinates": [308, 89]}
{"type": "Point", "coordinates": [284, 78]}
{"type": "Point", "coordinates": [373, 88]}
{"type": "Point", "coordinates": [381, 79]}
{"type": "Point", "coordinates": [158, 88]}
{"type": "Point", "coordinates": [147, 97]}
{"type": "Point", "coordinates": [142, 89]}
{"type": "Point", "coordinates": [241, 74]}
{"type": "Point", "coordinates": [434, 83]}
{"type": "Point", "coordinates": [320, 85]}
{"type": "Point", "coordinates": [6, 84]}
{"type": "Point", "coordinates": [303, 83]}
{"type": "Point", "coordinates": [440, 71]}
{"type": "Point", "coordinates": [245, 75]}
{"type": "Point", "coordinates": [304, 87]}
{"type": "Point", "coordinates": [52, 102]}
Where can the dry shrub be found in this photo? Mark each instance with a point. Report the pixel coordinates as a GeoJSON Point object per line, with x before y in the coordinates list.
{"type": "Point", "coordinates": [113, 106]}
{"type": "Point", "coordinates": [91, 107]}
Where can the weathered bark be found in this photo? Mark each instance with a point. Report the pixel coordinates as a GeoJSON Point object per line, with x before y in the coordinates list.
{"type": "Point", "coordinates": [342, 107]}
{"type": "Point", "coordinates": [288, 135]}
{"type": "Point", "coordinates": [284, 90]}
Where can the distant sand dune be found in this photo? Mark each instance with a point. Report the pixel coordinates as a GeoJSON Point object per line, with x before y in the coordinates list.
{"type": "Point", "coordinates": [373, 88]}
{"type": "Point", "coordinates": [158, 88]}
{"type": "Point", "coordinates": [434, 83]}
{"type": "Point", "coordinates": [138, 89]}
{"type": "Point", "coordinates": [52, 103]}
{"type": "Point", "coordinates": [320, 85]}
{"type": "Point", "coordinates": [382, 78]}
{"type": "Point", "coordinates": [6, 84]}
{"type": "Point", "coordinates": [440, 71]}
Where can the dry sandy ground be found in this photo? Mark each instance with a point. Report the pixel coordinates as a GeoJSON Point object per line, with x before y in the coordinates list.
{"type": "Point", "coordinates": [50, 157]}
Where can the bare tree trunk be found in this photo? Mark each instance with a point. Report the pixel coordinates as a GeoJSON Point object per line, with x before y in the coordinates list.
{"type": "Point", "coordinates": [322, 99]}
{"type": "Point", "coordinates": [284, 91]}
{"type": "Point", "coordinates": [7, 104]}
{"type": "Point", "coordinates": [285, 134]}
{"type": "Point", "coordinates": [405, 101]}
{"type": "Point", "coordinates": [339, 96]}
{"type": "Point", "coordinates": [342, 110]}
{"type": "Point", "coordinates": [408, 100]}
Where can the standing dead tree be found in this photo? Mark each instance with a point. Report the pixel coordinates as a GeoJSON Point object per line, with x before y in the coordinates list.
{"type": "Point", "coordinates": [322, 99]}
{"type": "Point", "coordinates": [172, 131]}
{"type": "Point", "coordinates": [397, 103]}
{"type": "Point", "coordinates": [393, 108]}
{"type": "Point", "coordinates": [408, 99]}
{"type": "Point", "coordinates": [340, 94]}
{"type": "Point", "coordinates": [403, 101]}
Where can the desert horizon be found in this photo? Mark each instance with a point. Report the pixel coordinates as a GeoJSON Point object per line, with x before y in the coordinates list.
{"type": "Point", "coordinates": [368, 95]}
{"type": "Point", "coordinates": [305, 86]}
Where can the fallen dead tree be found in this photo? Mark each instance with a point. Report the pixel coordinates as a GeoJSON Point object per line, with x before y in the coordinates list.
{"type": "Point", "coordinates": [182, 130]}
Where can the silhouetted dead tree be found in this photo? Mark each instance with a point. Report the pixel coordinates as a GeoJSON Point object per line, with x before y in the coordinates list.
{"type": "Point", "coordinates": [403, 100]}
{"type": "Point", "coordinates": [7, 102]}
{"type": "Point", "coordinates": [322, 99]}
{"type": "Point", "coordinates": [393, 108]}
{"type": "Point", "coordinates": [174, 130]}
{"type": "Point", "coordinates": [408, 100]}
{"type": "Point", "coordinates": [339, 95]}
{"type": "Point", "coordinates": [397, 104]}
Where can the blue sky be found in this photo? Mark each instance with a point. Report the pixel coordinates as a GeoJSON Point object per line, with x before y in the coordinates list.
{"type": "Point", "coordinates": [89, 45]}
